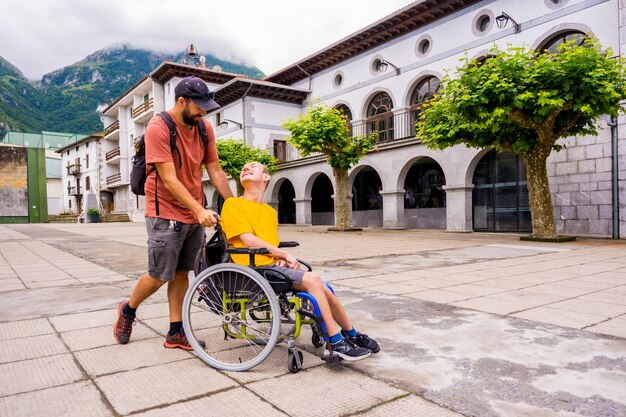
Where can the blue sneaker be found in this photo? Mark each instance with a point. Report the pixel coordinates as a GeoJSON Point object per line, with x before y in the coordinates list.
{"type": "Point", "coordinates": [347, 351]}
{"type": "Point", "coordinates": [364, 341]}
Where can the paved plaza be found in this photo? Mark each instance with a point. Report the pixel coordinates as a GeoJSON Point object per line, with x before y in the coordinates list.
{"type": "Point", "coordinates": [469, 324]}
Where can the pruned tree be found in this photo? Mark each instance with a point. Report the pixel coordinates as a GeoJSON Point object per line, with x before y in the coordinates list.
{"type": "Point", "coordinates": [523, 102]}
{"type": "Point", "coordinates": [234, 154]}
{"type": "Point", "coordinates": [326, 130]}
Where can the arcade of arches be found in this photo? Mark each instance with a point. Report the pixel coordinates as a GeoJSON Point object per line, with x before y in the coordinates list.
{"type": "Point", "coordinates": [499, 198]}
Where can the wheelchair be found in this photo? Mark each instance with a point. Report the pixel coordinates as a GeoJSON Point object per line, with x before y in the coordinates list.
{"type": "Point", "coordinates": [241, 313]}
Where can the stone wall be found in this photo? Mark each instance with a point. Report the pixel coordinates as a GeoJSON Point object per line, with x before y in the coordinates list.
{"type": "Point", "coordinates": [581, 183]}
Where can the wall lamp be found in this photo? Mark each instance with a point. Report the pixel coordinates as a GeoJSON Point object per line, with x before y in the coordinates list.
{"type": "Point", "coordinates": [384, 64]}
{"type": "Point", "coordinates": [503, 20]}
{"type": "Point", "coordinates": [225, 122]}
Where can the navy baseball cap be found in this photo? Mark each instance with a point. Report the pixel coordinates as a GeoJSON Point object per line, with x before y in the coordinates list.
{"type": "Point", "coordinates": [195, 88]}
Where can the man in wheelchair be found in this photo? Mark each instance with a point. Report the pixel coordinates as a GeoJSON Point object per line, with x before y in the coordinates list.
{"type": "Point", "coordinates": [249, 223]}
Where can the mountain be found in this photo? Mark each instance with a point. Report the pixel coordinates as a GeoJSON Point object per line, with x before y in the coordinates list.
{"type": "Point", "coordinates": [66, 100]}
{"type": "Point", "coordinates": [20, 101]}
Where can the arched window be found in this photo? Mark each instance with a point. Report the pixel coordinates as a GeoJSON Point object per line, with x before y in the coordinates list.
{"type": "Point", "coordinates": [552, 45]}
{"type": "Point", "coordinates": [345, 110]}
{"type": "Point", "coordinates": [424, 92]}
{"type": "Point", "coordinates": [380, 117]}
{"type": "Point", "coordinates": [424, 185]}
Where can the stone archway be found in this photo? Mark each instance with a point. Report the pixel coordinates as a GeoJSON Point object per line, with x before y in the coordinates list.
{"type": "Point", "coordinates": [286, 203]}
{"type": "Point", "coordinates": [425, 197]}
{"type": "Point", "coordinates": [367, 201]}
{"type": "Point", "coordinates": [322, 204]}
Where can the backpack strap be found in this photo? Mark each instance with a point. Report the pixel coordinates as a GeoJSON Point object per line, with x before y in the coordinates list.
{"type": "Point", "coordinates": [203, 133]}
{"type": "Point", "coordinates": [171, 125]}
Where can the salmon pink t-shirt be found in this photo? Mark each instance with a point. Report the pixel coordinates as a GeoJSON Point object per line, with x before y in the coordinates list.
{"type": "Point", "coordinates": [192, 154]}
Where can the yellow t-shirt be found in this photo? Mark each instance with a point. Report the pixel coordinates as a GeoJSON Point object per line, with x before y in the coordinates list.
{"type": "Point", "coordinates": [244, 216]}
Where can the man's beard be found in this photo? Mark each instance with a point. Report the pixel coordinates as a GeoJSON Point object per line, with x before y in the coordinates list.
{"type": "Point", "coordinates": [188, 119]}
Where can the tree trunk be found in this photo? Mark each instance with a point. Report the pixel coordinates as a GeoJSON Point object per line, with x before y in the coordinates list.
{"type": "Point", "coordinates": [343, 208]}
{"type": "Point", "coordinates": [540, 198]}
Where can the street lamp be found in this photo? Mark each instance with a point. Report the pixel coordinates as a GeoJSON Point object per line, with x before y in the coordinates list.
{"type": "Point", "coordinates": [384, 64]}
{"type": "Point", "coordinates": [225, 122]}
{"type": "Point", "coordinates": [503, 20]}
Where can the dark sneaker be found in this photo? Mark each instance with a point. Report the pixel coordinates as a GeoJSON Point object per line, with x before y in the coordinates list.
{"type": "Point", "coordinates": [179, 340]}
{"type": "Point", "coordinates": [347, 351]}
{"type": "Point", "coordinates": [365, 341]}
{"type": "Point", "coordinates": [123, 326]}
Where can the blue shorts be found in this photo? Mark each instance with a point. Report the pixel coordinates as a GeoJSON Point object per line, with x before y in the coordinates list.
{"type": "Point", "coordinates": [172, 247]}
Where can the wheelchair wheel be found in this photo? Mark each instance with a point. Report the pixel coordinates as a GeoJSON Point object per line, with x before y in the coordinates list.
{"type": "Point", "coordinates": [295, 360]}
{"type": "Point", "coordinates": [235, 312]}
{"type": "Point", "coordinates": [316, 338]}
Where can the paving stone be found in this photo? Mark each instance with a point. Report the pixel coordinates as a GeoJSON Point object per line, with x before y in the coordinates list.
{"type": "Point", "coordinates": [614, 327]}
{"type": "Point", "coordinates": [84, 320]}
{"type": "Point", "coordinates": [103, 278]}
{"type": "Point", "coordinates": [30, 347]}
{"type": "Point", "coordinates": [109, 359]}
{"type": "Point", "coordinates": [528, 296]}
{"type": "Point", "coordinates": [491, 305]}
{"type": "Point", "coordinates": [395, 288]}
{"type": "Point", "coordinates": [412, 406]}
{"type": "Point", "coordinates": [361, 282]}
{"type": "Point", "coordinates": [34, 374]}
{"type": "Point", "coordinates": [560, 317]}
{"type": "Point", "coordinates": [430, 283]}
{"type": "Point", "coordinates": [605, 297]}
{"type": "Point", "coordinates": [474, 290]}
{"type": "Point", "coordinates": [357, 392]}
{"type": "Point", "coordinates": [438, 296]}
{"type": "Point", "coordinates": [94, 337]}
{"type": "Point", "coordinates": [149, 311]}
{"type": "Point", "coordinates": [74, 400]}
{"type": "Point", "coordinates": [591, 307]}
{"type": "Point", "coordinates": [220, 404]}
{"type": "Point", "coordinates": [147, 387]}
{"type": "Point", "coordinates": [275, 365]}
{"type": "Point", "coordinates": [11, 287]}
{"type": "Point", "coordinates": [25, 328]}
{"type": "Point", "coordinates": [51, 284]}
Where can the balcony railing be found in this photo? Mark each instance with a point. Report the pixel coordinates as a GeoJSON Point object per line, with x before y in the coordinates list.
{"type": "Point", "coordinates": [73, 190]}
{"type": "Point", "coordinates": [390, 127]}
{"type": "Point", "coordinates": [112, 128]}
{"type": "Point", "coordinates": [137, 111]}
{"type": "Point", "coordinates": [73, 169]}
{"type": "Point", "coordinates": [112, 179]}
{"type": "Point", "coordinates": [112, 153]}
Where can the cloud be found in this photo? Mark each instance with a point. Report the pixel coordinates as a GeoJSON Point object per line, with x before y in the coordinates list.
{"type": "Point", "coordinates": [40, 36]}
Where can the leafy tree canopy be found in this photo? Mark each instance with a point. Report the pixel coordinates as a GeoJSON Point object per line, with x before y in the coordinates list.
{"type": "Point", "coordinates": [517, 98]}
{"type": "Point", "coordinates": [326, 130]}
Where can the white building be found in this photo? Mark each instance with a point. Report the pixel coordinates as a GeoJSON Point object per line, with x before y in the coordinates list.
{"type": "Point", "coordinates": [402, 184]}
{"type": "Point", "coordinates": [81, 183]}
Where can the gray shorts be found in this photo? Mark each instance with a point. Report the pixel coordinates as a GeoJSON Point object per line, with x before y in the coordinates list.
{"type": "Point", "coordinates": [279, 273]}
{"type": "Point", "coordinates": [172, 249]}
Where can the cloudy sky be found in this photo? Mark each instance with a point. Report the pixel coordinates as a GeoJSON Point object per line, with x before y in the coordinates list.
{"type": "Point", "coordinates": [39, 36]}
